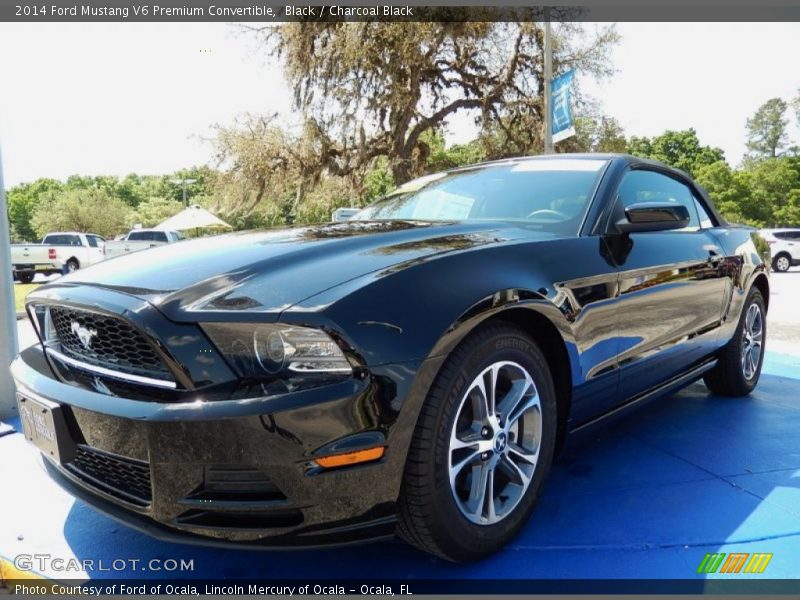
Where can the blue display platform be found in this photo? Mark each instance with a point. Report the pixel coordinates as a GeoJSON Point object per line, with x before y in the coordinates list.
{"type": "Point", "coordinates": [646, 498]}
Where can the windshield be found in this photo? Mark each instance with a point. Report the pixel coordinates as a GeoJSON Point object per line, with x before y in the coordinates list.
{"type": "Point", "coordinates": [147, 236]}
{"type": "Point", "coordinates": [551, 194]}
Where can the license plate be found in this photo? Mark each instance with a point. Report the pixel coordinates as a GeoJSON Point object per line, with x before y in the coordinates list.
{"type": "Point", "coordinates": [45, 427]}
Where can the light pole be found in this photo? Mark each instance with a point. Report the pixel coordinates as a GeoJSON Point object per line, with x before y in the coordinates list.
{"type": "Point", "coordinates": [182, 182]}
{"type": "Point", "coordinates": [548, 77]}
{"type": "Point", "coordinates": [8, 312]}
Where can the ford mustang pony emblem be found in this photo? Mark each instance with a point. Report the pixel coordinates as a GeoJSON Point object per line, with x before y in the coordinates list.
{"type": "Point", "coordinates": [84, 334]}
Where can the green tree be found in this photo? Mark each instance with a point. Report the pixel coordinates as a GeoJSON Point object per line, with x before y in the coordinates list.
{"type": "Point", "coordinates": [595, 134]}
{"type": "Point", "coordinates": [767, 130]}
{"type": "Point", "coordinates": [266, 164]}
{"type": "Point", "coordinates": [679, 149]}
{"type": "Point", "coordinates": [377, 182]}
{"type": "Point", "coordinates": [796, 107]}
{"type": "Point", "coordinates": [22, 201]}
{"type": "Point", "coordinates": [199, 182]}
{"type": "Point", "coordinates": [775, 185]}
{"type": "Point", "coordinates": [373, 89]}
{"type": "Point", "coordinates": [153, 211]}
{"type": "Point", "coordinates": [91, 210]}
{"type": "Point", "coordinates": [440, 157]}
{"type": "Point", "coordinates": [730, 191]}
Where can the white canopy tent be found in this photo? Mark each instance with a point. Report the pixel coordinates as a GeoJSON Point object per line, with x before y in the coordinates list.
{"type": "Point", "coordinates": [193, 217]}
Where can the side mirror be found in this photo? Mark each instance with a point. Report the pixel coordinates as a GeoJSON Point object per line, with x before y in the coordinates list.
{"type": "Point", "coordinates": [653, 216]}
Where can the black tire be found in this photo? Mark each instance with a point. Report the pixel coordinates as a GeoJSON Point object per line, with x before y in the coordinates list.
{"type": "Point", "coordinates": [728, 377]}
{"type": "Point", "coordinates": [429, 516]}
{"type": "Point", "coordinates": [25, 277]}
{"type": "Point", "coordinates": [782, 262]}
{"type": "Point", "coordinates": [72, 265]}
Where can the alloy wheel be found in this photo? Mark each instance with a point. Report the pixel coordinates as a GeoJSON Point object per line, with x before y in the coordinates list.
{"type": "Point", "coordinates": [782, 264]}
{"type": "Point", "coordinates": [494, 443]}
{"type": "Point", "coordinates": [752, 340]}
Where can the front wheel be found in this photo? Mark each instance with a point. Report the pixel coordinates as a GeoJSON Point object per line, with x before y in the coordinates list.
{"type": "Point", "coordinates": [739, 365]}
{"type": "Point", "coordinates": [482, 447]}
{"type": "Point", "coordinates": [781, 263]}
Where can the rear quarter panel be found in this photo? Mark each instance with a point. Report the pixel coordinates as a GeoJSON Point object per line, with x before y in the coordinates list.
{"type": "Point", "coordinates": [747, 258]}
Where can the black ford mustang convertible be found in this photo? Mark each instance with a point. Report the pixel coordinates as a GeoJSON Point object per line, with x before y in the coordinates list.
{"type": "Point", "coordinates": [414, 370]}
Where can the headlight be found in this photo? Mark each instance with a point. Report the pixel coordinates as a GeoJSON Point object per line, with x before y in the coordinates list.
{"type": "Point", "coordinates": [277, 349]}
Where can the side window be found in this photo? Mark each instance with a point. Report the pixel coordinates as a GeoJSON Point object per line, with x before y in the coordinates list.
{"type": "Point", "coordinates": [705, 220]}
{"type": "Point", "coordinates": [92, 241]}
{"type": "Point", "coordinates": [649, 186]}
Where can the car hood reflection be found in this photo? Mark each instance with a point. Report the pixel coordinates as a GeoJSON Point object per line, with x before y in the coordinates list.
{"type": "Point", "coordinates": [270, 271]}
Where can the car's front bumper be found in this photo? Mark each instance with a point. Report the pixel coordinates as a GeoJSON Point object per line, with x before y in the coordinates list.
{"type": "Point", "coordinates": [177, 445]}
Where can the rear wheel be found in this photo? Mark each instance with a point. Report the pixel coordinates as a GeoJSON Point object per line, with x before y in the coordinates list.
{"type": "Point", "coordinates": [72, 265]}
{"type": "Point", "coordinates": [739, 366]}
{"type": "Point", "coordinates": [25, 277]}
{"type": "Point", "coordinates": [781, 263]}
{"type": "Point", "coordinates": [482, 447]}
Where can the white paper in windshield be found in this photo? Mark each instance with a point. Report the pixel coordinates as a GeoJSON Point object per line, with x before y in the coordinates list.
{"type": "Point", "coordinates": [558, 164]}
{"type": "Point", "coordinates": [439, 205]}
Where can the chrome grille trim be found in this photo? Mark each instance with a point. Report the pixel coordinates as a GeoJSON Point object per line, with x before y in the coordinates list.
{"type": "Point", "coordinates": [111, 373]}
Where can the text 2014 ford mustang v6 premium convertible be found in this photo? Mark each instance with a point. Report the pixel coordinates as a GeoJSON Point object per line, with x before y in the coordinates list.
{"type": "Point", "coordinates": [413, 370]}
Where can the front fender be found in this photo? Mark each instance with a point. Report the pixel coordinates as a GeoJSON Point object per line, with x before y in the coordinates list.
{"type": "Point", "coordinates": [426, 310]}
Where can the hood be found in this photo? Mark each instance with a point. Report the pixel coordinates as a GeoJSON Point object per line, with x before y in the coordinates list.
{"type": "Point", "coordinates": [270, 271]}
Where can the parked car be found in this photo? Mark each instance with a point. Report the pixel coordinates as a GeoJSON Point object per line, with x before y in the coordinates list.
{"type": "Point", "coordinates": [140, 239]}
{"type": "Point", "coordinates": [413, 370]}
{"type": "Point", "coordinates": [57, 252]}
{"type": "Point", "coordinates": [784, 247]}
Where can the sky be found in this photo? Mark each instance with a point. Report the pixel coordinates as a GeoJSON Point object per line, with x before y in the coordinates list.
{"type": "Point", "coordinates": [116, 98]}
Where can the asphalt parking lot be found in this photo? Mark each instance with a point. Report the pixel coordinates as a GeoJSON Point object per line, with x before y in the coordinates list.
{"type": "Point", "coordinates": [646, 498]}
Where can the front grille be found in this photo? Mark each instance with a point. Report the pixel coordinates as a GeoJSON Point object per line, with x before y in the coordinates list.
{"type": "Point", "coordinates": [119, 476]}
{"type": "Point", "coordinates": [113, 344]}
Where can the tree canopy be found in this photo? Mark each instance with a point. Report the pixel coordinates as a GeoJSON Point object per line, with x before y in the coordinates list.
{"type": "Point", "coordinates": [767, 129]}
{"type": "Point", "coordinates": [28, 219]}
{"type": "Point", "coordinates": [679, 149]}
{"type": "Point", "coordinates": [91, 210]}
{"type": "Point", "coordinates": [374, 89]}
{"type": "Point", "coordinates": [373, 105]}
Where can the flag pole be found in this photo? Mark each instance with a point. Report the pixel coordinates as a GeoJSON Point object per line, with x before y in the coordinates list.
{"type": "Point", "coordinates": [8, 311]}
{"type": "Point", "coordinates": [548, 78]}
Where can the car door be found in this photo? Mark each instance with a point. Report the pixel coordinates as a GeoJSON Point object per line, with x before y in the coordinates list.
{"type": "Point", "coordinates": [94, 250]}
{"type": "Point", "coordinates": [793, 243]}
{"type": "Point", "coordinates": [671, 285]}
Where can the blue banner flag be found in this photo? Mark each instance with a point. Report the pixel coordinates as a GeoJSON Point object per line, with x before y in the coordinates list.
{"type": "Point", "coordinates": [563, 126]}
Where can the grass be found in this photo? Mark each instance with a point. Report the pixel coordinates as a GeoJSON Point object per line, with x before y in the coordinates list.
{"type": "Point", "coordinates": [20, 291]}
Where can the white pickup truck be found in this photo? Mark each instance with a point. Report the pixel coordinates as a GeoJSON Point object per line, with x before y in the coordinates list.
{"type": "Point", "coordinates": [58, 252]}
{"type": "Point", "coordinates": [140, 239]}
